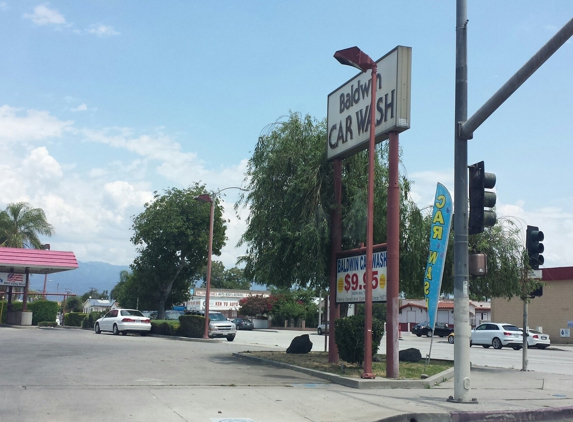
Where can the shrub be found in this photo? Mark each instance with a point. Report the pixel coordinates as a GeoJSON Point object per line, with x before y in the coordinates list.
{"type": "Point", "coordinates": [192, 326]}
{"type": "Point", "coordinates": [43, 310]}
{"type": "Point", "coordinates": [74, 319]}
{"type": "Point", "coordinates": [349, 334]}
{"type": "Point", "coordinates": [91, 319]}
{"type": "Point", "coordinates": [163, 328]}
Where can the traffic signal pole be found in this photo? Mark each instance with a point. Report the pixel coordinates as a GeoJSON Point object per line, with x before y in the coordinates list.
{"type": "Point", "coordinates": [462, 387]}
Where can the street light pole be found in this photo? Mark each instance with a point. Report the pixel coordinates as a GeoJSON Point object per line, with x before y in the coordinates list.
{"type": "Point", "coordinates": [45, 247]}
{"type": "Point", "coordinates": [357, 58]}
{"type": "Point", "coordinates": [211, 200]}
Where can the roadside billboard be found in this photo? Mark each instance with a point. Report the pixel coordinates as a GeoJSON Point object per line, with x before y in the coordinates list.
{"type": "Point", "coordinates": [349, 106]}
{"type": "Point", "coordinates": [351, 278]}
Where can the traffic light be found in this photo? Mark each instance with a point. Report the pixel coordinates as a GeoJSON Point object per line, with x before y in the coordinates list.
{"type": "Point", "coordinates": [534, 247]}
{"type": "Point", "coordinates": [480, 198]}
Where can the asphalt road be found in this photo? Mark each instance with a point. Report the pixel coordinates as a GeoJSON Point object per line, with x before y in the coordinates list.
{"type": "Point", "coordinates": [75, 375]}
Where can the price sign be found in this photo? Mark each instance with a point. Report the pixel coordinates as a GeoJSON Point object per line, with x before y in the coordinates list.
{"type": "Point", "coordinates": [351, 278]}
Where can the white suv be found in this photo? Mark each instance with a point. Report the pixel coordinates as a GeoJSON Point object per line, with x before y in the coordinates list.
{"type": "Point", "coordinates": [497, 335]}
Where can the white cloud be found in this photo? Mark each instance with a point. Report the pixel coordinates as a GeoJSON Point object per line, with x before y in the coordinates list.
{"type": "Point", "coordinates": [236, 226]}
{"type": "Point", "coordinates": [34, 125]}
{"type": "Point", "coordinates": [423, 189]}
{"type": "Point", "coordinates": [39, 164]}
{"type": "Point", "coordinates": [81, 107]}
{"type": "Point", "coordinates": [44, 16]}
{"type": "Point", "coordinates": [102, 30]}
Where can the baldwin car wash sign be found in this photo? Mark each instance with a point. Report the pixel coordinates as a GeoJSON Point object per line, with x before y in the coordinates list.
{"type": "Point", "coordinates": [349, 106]}
{"type": "Point", "coordinates": [351, 278]}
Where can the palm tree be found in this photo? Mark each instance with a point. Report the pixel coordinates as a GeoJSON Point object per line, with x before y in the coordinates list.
{"type": "Point", "coordinates": [20, 225]}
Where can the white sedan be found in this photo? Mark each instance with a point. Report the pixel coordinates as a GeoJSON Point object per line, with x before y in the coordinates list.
{"type": "Point", "coordinates": [123, 321]}
{"type": "Point", "coordinates": [497, 335]}
{"type": "Point", "coordinates": [537, 339]}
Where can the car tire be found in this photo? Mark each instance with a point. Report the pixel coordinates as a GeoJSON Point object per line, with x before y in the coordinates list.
{"type": "Point", "coordinates": [516, 347]}
{"type": "Point", "coordinates": [429, 333]}
{"type": "Point", "coordinates": [471, 344]}
{"type": "Point", "coordinates": [96, 329]}
{"type": "Point", "coordinates": [124, 333]}
{"type": "Point", "coordinates": [115, 330]}
{"type": "Point", "coordinates": [485, 346]}
{"type": "Point", "coordinates": [419, 335]}
{"type": "Point", "coordinates": [319, 331]}
{"type": "Point", "coordinates": [451, 339]}
{"type": "Point", "coordinates": [230, 338]}
{"type": "Point", "coordinates": [496, 343]}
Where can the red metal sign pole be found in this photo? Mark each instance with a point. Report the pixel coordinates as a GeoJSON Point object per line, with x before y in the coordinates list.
{"type": "Point", "coordinates": [370, 233]}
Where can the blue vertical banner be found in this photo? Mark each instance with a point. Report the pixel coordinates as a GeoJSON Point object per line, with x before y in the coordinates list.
{"type": "Point", "coordinates": [439, 234]}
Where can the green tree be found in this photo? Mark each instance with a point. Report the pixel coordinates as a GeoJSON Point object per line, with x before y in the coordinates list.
{"type": "Point", "coordinates": [235, 279]}
{"type": "Point", "coordinates": [507, 263]}
{"type": "Point", "coordinates": [126, 291]}
{"type": "Point", "coordinates": [222, 278]}
{"type": "Point", "coordinates": [94, 294]}
{"type": "Point", "coordinates": [73, 304]}
{"type": "Point", "coordinates": [290, 197]}
{"type": "Point", "coordinates": [20, 226]}
{"type": "Point", "coordinates": [172, 236]}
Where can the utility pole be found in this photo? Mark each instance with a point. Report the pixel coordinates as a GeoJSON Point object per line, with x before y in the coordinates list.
{"type": "Point", "coordinates": [462, 385]}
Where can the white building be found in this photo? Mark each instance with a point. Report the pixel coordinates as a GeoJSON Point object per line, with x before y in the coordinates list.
{"type": "Point", "coordinates": [225, 301]}
{"type": "Point", "coordinates": [413, 312]}
{"type": "Point", "coordinates": [96, 305]}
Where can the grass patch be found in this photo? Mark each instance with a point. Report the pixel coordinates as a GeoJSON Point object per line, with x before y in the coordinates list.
{"type": "Point", "coordinates": [319, 362]}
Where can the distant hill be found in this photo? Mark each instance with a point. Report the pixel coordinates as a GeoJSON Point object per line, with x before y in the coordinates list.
{"type": "Point", "coordinates": [98, 275]}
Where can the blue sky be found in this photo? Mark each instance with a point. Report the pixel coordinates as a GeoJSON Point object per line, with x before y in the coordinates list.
{"type": "Point", "coordinates": [103, 103]}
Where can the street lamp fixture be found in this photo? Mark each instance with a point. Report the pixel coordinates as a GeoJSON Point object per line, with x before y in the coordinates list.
{"type": "Point", "coordinates": [210, 199]}
{"type": "Point", "coordinates": [355, 57]}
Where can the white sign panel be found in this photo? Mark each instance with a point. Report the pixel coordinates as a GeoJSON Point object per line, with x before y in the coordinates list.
{"type": "Point", "coordinates": [12, 279]}
{"type": "Point", "coordinates": [565, 332]}
{"type": "Point", "coordinates": [351, 278]}
{"type": "Point", "coordinates": [349, 106]}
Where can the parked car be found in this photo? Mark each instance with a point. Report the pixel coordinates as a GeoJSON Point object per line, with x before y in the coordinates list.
{"type": "Point", "coordinates": [537, 339]}
{"type": "Point", "coordinates": [173, 315]}
{"type": "Point", "coordinates": [440, 329]}
{"type": "Point", "coordinates": [323, 328]}
{"type": "Point", "coordinates": [451, 338]}
{"type": "Point", "coordinates": [123, 321]}
{"type": "Point", "coordinates": [243, 324]}
{"type": "Point", "coordinates": [219, 326]}
{"type": "Point", "coordinates": [150, 314]}
{"type": "Point", "coordinates": [497, 335]}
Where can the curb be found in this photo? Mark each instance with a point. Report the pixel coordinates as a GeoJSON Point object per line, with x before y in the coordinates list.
{"type": "Point", "coordinates": [361, 384]}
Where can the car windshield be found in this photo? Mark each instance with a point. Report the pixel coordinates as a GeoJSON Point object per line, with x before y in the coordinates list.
{"type": "Point", "coordinates": [217, 317]}
{"type": "Point", "coordinates": [130, 312]}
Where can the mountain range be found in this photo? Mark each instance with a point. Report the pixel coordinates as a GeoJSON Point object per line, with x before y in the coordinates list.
{"type": "Point", "coordinates": [97, 275]}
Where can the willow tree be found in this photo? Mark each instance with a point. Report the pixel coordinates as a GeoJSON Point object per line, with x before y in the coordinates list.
{"type": "Point", "coordinates": [507, 263]}
{"type": "Point", "coordinates": [21, 225]}
{"type": "Point", "coordinates": [291, 196]}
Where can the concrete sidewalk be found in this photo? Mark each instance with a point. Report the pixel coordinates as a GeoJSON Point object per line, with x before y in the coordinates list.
{"type": "Point", "coordinates": [500, 395]}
